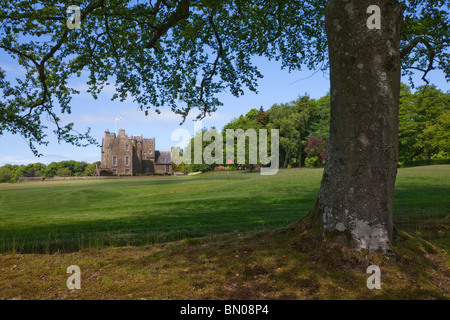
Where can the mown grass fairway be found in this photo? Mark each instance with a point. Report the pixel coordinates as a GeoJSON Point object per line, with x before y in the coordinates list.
{"type": "Point", "coordinates": [281, 262]}
{"type": "Point", "coordinates": [45, 217]}
{"type": "Point", "coordinates": [67, 216]}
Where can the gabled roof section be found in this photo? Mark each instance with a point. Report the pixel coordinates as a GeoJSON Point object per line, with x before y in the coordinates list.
{"type": "Point", "coordinates": [163, 157]}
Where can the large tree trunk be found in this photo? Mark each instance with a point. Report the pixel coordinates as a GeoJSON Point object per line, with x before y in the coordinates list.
{"type": "Point", "coordinates": [355, 200]}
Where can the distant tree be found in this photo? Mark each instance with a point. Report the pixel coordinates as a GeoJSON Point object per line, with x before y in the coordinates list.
{"type": "Point", "coordinates": [69, 164]}
{"type": "Point", "coordinates": [438, 136]}
{"type": "Point", "coordinates": [422, 122]}
{"type": "Point", "coordinates": [35, 170]}
{"type": "Point", "coordinates": [6, 174]}
{"type": "Point", "coordinates": [321, 125]}
{"type": "Point", "coordinates": [19, 172]}
{"type": "Point", "coordinates": [30, 174]}
{"type": "Point", "coordinates": [79, 168]}
{"type": "Point", "coordinates": [285, 118]}
{"type": "Point", "coordinates": [431, 104]}
{"type": "Point", "coordinates": [52, 169]}
{"type": "Point", "coordinates": [64, 172]}
{"type": "Point", "coordinates": [244, 122]}
{"type": "Point", "coordinates": [251, 115]}
{"type": "Point", "coordinates": [310, 116]}
{"type": "Point", "coordinates": [206, 146]}
{"type": "Point", "coordinates": [249, 121]}
{"type": "Point", "coordinates": [262, 118]}
{"type": "Point", "coordinates": [316, 147]}
{"type": "Point", "coordinates": [407, 130]}
{"type": "Point", "coordinates": [39, 169]}
{"type": "Point", "coordinates": [296, 121]}
{"type": "Point", "coordinates": [179, 167]}
{"type": "Point", "coordinates": [90, 168]}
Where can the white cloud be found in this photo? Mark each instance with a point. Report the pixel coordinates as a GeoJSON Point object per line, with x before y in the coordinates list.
{"type": "Point", "coordinates": [168, 116]}
{"type": "Point", "coordinates": [55, 156]}
{"type": "Point", "coordinates": [16, 70]}
{"type": "Point", "coordinates": [91, 159]}
{"type": "Point", "coordinates": [16, 160]}
{"type": "Point", "coordinates": [90, 118]}
{"type": "Point", "coordinates": [138, 116]}
{"type": "Point", "coordinates": [46, 159]}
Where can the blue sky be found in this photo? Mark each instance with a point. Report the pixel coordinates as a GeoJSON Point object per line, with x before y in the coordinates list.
{"type": "Point", "coordinates": [277, 86]}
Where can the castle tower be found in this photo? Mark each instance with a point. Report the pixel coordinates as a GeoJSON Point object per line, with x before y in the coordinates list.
{"type": "Point", "coordinates": [123, 155]}
{"type": "Point", "coordinates": [107, 141]}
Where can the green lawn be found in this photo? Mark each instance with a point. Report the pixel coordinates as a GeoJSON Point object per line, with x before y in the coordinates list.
{"type": "Point", "coordinates": [64, 216]}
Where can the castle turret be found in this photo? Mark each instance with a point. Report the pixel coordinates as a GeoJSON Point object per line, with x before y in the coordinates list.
{"type": "Point", "coordinates": [123, 155]}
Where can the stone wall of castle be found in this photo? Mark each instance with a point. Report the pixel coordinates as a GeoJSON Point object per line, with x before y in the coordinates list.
{"type": "Point", "coordinates": [123, 155]}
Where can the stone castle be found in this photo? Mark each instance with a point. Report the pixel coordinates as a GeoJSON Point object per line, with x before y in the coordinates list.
{"type": "Point", "coordinates": [123, 155]}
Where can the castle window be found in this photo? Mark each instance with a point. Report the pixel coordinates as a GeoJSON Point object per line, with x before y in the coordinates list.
{"type": "Point", "coordinates": [127, 171]}
{"type": "Point", "coordinates": [167, 168]}
{"type": "Point", "coordinates": [127, 148]}
{"type": "Point", "coordinates": [127, 161]}
{"type": "Point", "coordinates": [114, 161]}
{"type": "Point", "coordinates": [150, 152]}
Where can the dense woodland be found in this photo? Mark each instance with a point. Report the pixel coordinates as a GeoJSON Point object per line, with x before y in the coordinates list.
{"type": "Point", "coordinates": [70, 168]}
{"type": "Point", "coordinates": [424, 129]}
{"type": "Point", "coordinates": [424, 135]}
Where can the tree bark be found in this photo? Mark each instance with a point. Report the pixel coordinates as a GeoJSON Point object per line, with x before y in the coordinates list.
{"type": "Point", "coordinates": [286, 158]}
{"type": "Point", "coordinates": [302, 156]}
{"type": "Point", "coordinates": [355, 201]}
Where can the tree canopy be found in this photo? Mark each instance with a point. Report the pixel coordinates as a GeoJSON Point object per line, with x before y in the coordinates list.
{"type": "Point", "coordinates": [175, 54]}
{"type": "Point", "coordinates": [68, 168]}
{"type": "Point", "coordinates": [424, 129]}
{"type": "Point", "coordinates": [424, 124]}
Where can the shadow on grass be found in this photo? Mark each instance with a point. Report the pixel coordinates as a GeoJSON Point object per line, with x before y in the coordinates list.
{"type": "Point", "coordinates": [176, 221]}
{"type": "Point", "coordinates": [415, 207]}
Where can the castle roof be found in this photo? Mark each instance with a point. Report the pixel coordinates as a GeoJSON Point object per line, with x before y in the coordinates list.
{"type": "Point", "coordinates": [163, 157]}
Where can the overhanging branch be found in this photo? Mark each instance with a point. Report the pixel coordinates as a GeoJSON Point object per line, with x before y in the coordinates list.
{"type": "Point", "coordinates": [431, 55]}
{"type": "Point", "coordinates": [181, 13]}
{"type": "Point", "coordinates": [216, 62]}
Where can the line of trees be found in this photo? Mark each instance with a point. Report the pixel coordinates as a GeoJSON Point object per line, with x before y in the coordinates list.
{"type": "Point", "coordinates": [424, 124]}
{"type": "Point", "coordinates": [424, 129]}
{"type": "Point", "coordinates": [303, 126]}
{"type": "Point", "coordinates": [70, 168]}
{"type": "Point", "coordinates": [424, 135]}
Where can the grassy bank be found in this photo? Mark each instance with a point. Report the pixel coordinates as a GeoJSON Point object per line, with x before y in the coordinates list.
{"type": "Point", "coordinates": [271, 264]}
